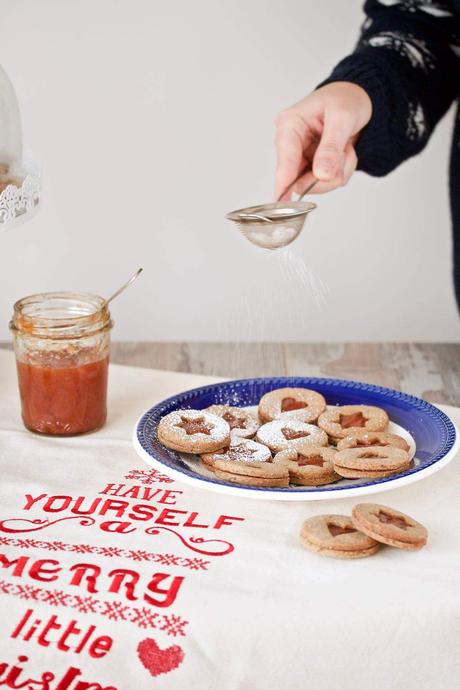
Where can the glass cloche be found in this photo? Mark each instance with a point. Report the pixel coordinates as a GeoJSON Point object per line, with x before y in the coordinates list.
{"type": "Point", "coordinates": [19, 177]}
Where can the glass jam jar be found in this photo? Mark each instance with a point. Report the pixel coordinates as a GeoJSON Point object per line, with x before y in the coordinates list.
{"type": "Point", "coordinates": [62, 341]}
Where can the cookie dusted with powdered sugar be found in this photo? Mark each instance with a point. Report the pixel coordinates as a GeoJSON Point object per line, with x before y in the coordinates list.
{"type": "Point", "coordinates": [242, 423]}
{"type": "Point", "coordinates": [194, 431]}
{"type": "Point", "coordinates": [240, 450]}
{"type": "Point", "coordinates": [281, 434]}
{"type": "Point", "coordinates": [291, 403]}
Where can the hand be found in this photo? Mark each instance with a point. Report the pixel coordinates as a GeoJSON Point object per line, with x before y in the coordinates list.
{"type": "Point", "coordinates": [317, 136]}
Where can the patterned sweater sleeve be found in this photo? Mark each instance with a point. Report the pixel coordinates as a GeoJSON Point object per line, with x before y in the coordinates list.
{"type": "Point", "coordinates": [408, 60]}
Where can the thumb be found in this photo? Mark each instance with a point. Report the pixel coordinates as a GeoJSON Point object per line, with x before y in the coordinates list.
{"type": "Point", "coordinates": [329, 159]}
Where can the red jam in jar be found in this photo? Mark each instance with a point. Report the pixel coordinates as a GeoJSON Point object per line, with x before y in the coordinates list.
{"type": "Point", "coordinates": [62, 353]}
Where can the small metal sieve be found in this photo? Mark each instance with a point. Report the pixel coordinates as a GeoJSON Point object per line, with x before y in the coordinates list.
{"type": "Point", "coordinates": [274, 225]}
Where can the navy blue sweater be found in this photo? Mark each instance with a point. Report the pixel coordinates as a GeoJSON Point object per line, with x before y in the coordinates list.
{"type": "Point", "coordinates": [408, 60]}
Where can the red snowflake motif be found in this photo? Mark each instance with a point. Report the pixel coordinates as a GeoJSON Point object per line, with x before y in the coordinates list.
{"type": "Point", "coordinates": [167, 559]}
{"type": "Point", "coordinates": [27, 543]}
{"type": "Point", "coordinates": [144, 618]}
{"type": "Point", "coordinates": [81, 548]}
{"type": "Point", "coordinates": [86, 604]}
{"type": "Point", "coordinates": [115, 611]}
{"type": "Point", "coordinates": [55, 597]}
{"type": "Point", "coordinates": [6, 587]}
{"type": "Point", "coordinates": [140, 555]}
{"type": "Point", "coordinates": [148, 477]}
{"type": "Point", "coordinates": [6, 541]}
{"type": "Point", "coordinates": [27, 592]}
{"type": "Point", "coordinates": [173, 625]}
{"type": "Point", "coordinates": [52, 545]}
{"type": "Point", "coordinates": [108, 551]}
{"type": "Point", "coordinates": [195, 563]}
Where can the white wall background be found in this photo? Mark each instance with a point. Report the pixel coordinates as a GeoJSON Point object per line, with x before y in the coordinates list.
{"type": "Point", "coordinates": [153, 119]}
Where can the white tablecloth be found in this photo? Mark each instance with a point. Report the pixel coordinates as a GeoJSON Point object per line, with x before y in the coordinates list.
{"type": "Point", "coordinates": [246, 609]}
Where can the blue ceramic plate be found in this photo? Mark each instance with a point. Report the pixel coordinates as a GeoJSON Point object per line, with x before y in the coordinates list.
{"type": "Point", "coordinates": [430, 432]}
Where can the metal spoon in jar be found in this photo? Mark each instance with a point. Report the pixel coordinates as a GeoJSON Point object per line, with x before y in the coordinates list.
{"type": "Point", "coordinates": [123, 287]}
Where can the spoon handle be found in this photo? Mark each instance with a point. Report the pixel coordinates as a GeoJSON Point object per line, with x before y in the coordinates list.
{"type": "Point", "coordinates": [123, 287]}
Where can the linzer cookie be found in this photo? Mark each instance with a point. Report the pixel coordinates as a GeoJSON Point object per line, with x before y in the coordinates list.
{"type": "Point", "coordinates": [240, 450]}
{"type": "Point", "coordinates": [339, 422]}
{"type": "Point", "coordinates": [281, 434]}
{"type": "Point", "coordinates": [389, 526]}
{"type": "Point", "coordinates": [308, 465]}
{"type": "Point", "coordinates": [374, 461]}
{"type": "Point", "coordinates": [241, 422]}
{"type": "Point", "coordinates": [251, 473]}
{"type": "Point", "coordinates": [194, 431]}
{"type": "Point", "coordinates": [286, 403]}
{"type": "Point", "coordinates": [364, 439]}
{"type": "Point", "coordinates": [336, 536]}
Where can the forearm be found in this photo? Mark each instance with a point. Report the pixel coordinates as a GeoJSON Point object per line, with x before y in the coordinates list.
{"type": "Point", "coordinates": [404, 61]}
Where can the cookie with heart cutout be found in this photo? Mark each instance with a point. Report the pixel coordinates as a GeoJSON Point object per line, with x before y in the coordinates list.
{"type": "Point", "coordinates": [364, 439]}
{"type": "Point", "coordinates": [241, 422]}
{"type": "Point", "coordinates": [389, 526]}
{"type": "Point", "coordinates": [290, 433]}
{"type": "Point", "coordinates": [240, 450]}
{"type": "Point", "coordinates": [341, 421]}
{"type": "Point", "coordinates": [375, 461]}
{"type": "Point", "coordinates": [251, 473]}
{"type": "Point", "coordinates": [291, 403]}
{"type": "Point", "coordinates": [336, 536]}
{"type": "Point", "coordinates": [308, 465]}
{"type": "Point", "coordinates": [193, 431]}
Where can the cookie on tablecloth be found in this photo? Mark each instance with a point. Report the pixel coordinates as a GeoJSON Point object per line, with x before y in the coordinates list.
{"type": "Point", "coordinates": [336, 536]}
{"type": "Point", "coordinates": [363, 439]}
{"type": "Point", "coordinates": [375, 461]}
{"type": "Point", "coordinates": [193, 431]}
{"type": "Point", "coordinates": [289, 433]}
{"type": "Point", "coordinates": [291, 403]}
{"type": "Point", "coordinates": [308, 465]}
{"type": "Point", "coordinates": [389, 526]}
{"type": "Point", "coordinates": [251, 473]}
{"type": "Point", "coordinates": [242, 423]}
{"type": "Point", "coordinates": [340, 421]}
{"type": "Point", "coordinates": [240, 450]}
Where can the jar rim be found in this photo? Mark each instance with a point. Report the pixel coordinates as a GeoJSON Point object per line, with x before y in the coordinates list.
{"type": "Point", "coordinates": [60, 315]}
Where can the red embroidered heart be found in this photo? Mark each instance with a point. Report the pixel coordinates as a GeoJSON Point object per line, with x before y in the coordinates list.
{"type": "Point", "coordinates": [158, 660]}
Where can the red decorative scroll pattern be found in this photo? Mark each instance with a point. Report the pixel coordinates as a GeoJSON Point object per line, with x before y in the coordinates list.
{"type": "Point", "coordinates": [113, 610]}
{"type": "Point", "coordinates": [138, 555]}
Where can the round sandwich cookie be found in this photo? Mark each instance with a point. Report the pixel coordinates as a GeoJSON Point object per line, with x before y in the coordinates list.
{"type": "Point", "coordinates": [241, 422]}
{"type": "Point", "coordinates": [289, 433]}
{"type": "Point", "coordinates": [251, 473]}
{"type": "Point", "coordinates": [296, 403]}
{"type": "Point", "coordinates": [308, 465]}
{"type": "Point", "coordinates": [363, 439]}
{"type": "Point", "coordinates": [193, 431]}
{"type": "Point", "coordinates": [389, 526]}
{"type": "Point", "coordinates": [336, 536]}
{"type": "Point", "coordinates": [340, 421]}
{"type": "Point", "coordinates": [375, 461]}
{"type": "Point", "coordinates": [240, 450]}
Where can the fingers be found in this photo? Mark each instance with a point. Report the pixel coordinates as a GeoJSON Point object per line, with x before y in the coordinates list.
{"type": "Point", "coordinates": [291, 141]}
{"type": "Point", "coordinates": [329, 160]}
{"type": "Point", "coordinates": [321, 187]}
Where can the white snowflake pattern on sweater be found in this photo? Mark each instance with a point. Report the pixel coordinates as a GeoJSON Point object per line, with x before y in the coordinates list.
{"type": "Point", "coordinates": [407, 45]}
{"type": "Point", "coordinates": [416, 123]}
{"type": "Point", "coordinates": [436, 9]}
